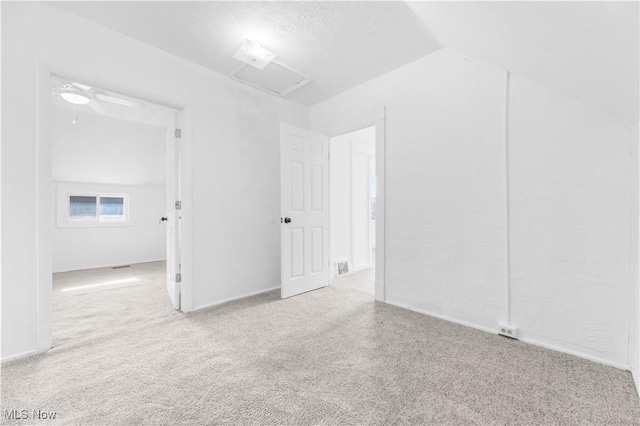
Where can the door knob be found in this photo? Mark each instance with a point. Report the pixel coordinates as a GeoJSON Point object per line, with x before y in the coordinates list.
{"type": "Point", "coordinates": [163, 219]}
{"type": "Point", "coordinates": [287, 220]}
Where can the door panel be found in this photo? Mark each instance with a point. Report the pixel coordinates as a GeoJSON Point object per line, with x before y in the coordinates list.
{"type": "Point", "coordinates": [297, 252]}
{"type": "Point", "coordinates": [297, 186]}
{"type": "Point", "coordinates": [304, 201]}
{"type": "Point", "coordinates": [317, 180]}
{"type": "Point", "coordinates": [316, 250]}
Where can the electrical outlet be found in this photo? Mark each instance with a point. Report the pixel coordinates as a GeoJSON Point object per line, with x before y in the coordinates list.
{"type": "Point", "coordinates": [508, 331]}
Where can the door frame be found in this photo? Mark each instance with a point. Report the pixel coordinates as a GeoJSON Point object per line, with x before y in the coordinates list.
{"type": "Point", "coordinates": [381, 152]}
{"type": "Point", "coordinates": [352, 151]}
{"type": "Point", "coordinates": [43, 180]}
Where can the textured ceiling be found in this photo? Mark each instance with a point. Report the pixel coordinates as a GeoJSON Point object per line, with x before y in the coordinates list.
{"type": "Point", "coordinates": [588, 50]}
{"type": "Point", "coordinates": [339, 45]}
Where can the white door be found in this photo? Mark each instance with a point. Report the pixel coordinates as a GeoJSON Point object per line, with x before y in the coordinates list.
{"type": "Point", "coordinates": [304, 162]}
{"type": "Point", "coordinates": [173, 214]}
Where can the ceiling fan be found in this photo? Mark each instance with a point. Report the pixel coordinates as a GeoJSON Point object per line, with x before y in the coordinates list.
{"type": "Point", "coordinates": [94, 98]}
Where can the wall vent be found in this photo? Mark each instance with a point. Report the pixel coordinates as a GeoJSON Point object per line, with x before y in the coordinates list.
{"type": "Point", "coordinates": [276, 78]}
{"type": "Point", "coordinates": [342, 266]}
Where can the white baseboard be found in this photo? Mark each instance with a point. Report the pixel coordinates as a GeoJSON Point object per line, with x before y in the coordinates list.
{"type": "Point", "coordinates": [232, 299]}
{"type": "Point", "coordinates": [23, 355]}
{"type": "Point", "coordinates": [443, 317]}
{"type": "Point", "coordinates": [354, 271]}
{"type": "Point", "coordinates": [525, 340]}
{"type": "Point", "coordinates": [575, 353]}
{"type": "Point", "coordinates": [361, 268]}
{"type": "Point", "coordinates": [110, 265]}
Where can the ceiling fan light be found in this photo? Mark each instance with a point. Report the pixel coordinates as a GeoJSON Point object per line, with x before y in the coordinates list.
{"type": "Point", "coordinates": [75, 98]}
{"type": "Point", "coordinates": [255, 55]}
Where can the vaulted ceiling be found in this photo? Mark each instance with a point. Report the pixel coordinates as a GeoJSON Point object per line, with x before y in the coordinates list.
{"type": "Point", "coordinates": [339, 45]}
{"type": "Point", "coordinates": [588, 50]}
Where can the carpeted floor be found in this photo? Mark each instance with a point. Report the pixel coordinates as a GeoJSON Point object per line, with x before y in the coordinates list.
{"type": "Point", "coordinates": [122, 356]}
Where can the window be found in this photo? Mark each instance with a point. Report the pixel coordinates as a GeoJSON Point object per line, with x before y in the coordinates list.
{"type": "Point", "coordinates": [101, 208]}
{"type": "Point", "coordinates": [111, 208]}
{"type": "Point", "coordinates": [85, 205]}
{"type": "Point", "coordinates": [82, 207]}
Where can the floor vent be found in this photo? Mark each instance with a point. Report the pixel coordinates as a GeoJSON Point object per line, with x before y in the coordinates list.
{"type": "Point", "coordinates": [342, 266]}
{"type": "Point", "coordinates": [121, 266]}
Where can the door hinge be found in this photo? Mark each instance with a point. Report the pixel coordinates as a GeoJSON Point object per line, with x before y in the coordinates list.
{"type": "Point", "coordinates": [178, 278]}
{"type": "Point", "coordinates": [178, 205]}
{"type": "Point", "coordinates": [178, 133]}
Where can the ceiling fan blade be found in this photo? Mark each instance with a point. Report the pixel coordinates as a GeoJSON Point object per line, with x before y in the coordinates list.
{"type": "Point", "coordinates": [97, 107]}
{"type": "Point", "coordinates": [81, 86]}
{"type": "Point", "coordinates": [119, 101]}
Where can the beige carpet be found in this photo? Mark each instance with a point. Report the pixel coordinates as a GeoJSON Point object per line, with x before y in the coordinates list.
{"type": "Point", "coordinates": [122, 356]}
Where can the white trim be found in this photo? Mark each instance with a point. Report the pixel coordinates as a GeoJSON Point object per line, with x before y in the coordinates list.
{"type": "Point", "coordinates": [380, 156]}
{"type": "Point", "coordinates": [43, 225]}
{"type": "Point", "coordinates": [506, 203]}
{"type": "Point", "coordinates": [576, 354]}
{"type": "Point", "coordinates": [23, 355]}
{"type": "Point", "coordinates": [138, 262]}
{"type": "Point", "coordinates": [633, 342]}
{"type": "Point", "coordinates": [233, 299]}
{"type": "Point", "coordinates": [525, 340]}
{"type": "Point", "coordinates": [442, 317]}
{"type": "Point", "coordinates": [381, 208]}
{"type": "Point", "coordinates": [361, 268]}
{"type": "Point", "coordinates": [185, 178]}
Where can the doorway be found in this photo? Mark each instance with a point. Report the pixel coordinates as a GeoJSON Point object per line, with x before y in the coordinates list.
{"type": "Point", "coordinates": [353, 187]}
{"type": "Point", "coordinates": [115, 193]}
{"type": "Point", "coordinates": [307, 262]}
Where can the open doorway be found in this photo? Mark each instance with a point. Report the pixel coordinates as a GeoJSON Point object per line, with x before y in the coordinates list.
{"type": "Point", "coordinates": [115, 226]}
{"type": "Point", "coordinates": [353, 209]}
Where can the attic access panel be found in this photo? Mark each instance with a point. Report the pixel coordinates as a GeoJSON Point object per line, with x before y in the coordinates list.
{"type": "Point", "coordinates": [275, 78]}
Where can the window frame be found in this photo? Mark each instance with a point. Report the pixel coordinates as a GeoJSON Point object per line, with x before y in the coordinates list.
{"type": "Point", "coordinates": [64, 219]}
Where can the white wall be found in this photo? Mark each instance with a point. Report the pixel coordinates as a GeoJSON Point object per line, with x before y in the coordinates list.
{"type": "Point", "coordinates": [102, 149]}
{"type": "Point", "coordinates": [570, 192]}
{"type": "Point", "coordinates": [570, 199]}
{"type": "Point", "coordinates": [231, 141]}
{"type": "Point", "coordinates": [351, 165]}
{"type": "Point", "coordinates": [445, 237]}
{"type": "Point", "coordinates": [141, 239]}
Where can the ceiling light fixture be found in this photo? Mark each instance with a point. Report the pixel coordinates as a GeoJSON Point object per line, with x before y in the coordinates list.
{"type": "Point", "coordinates": [75, 98]}
{"type": "Point", "coordinates": [255, 55]}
